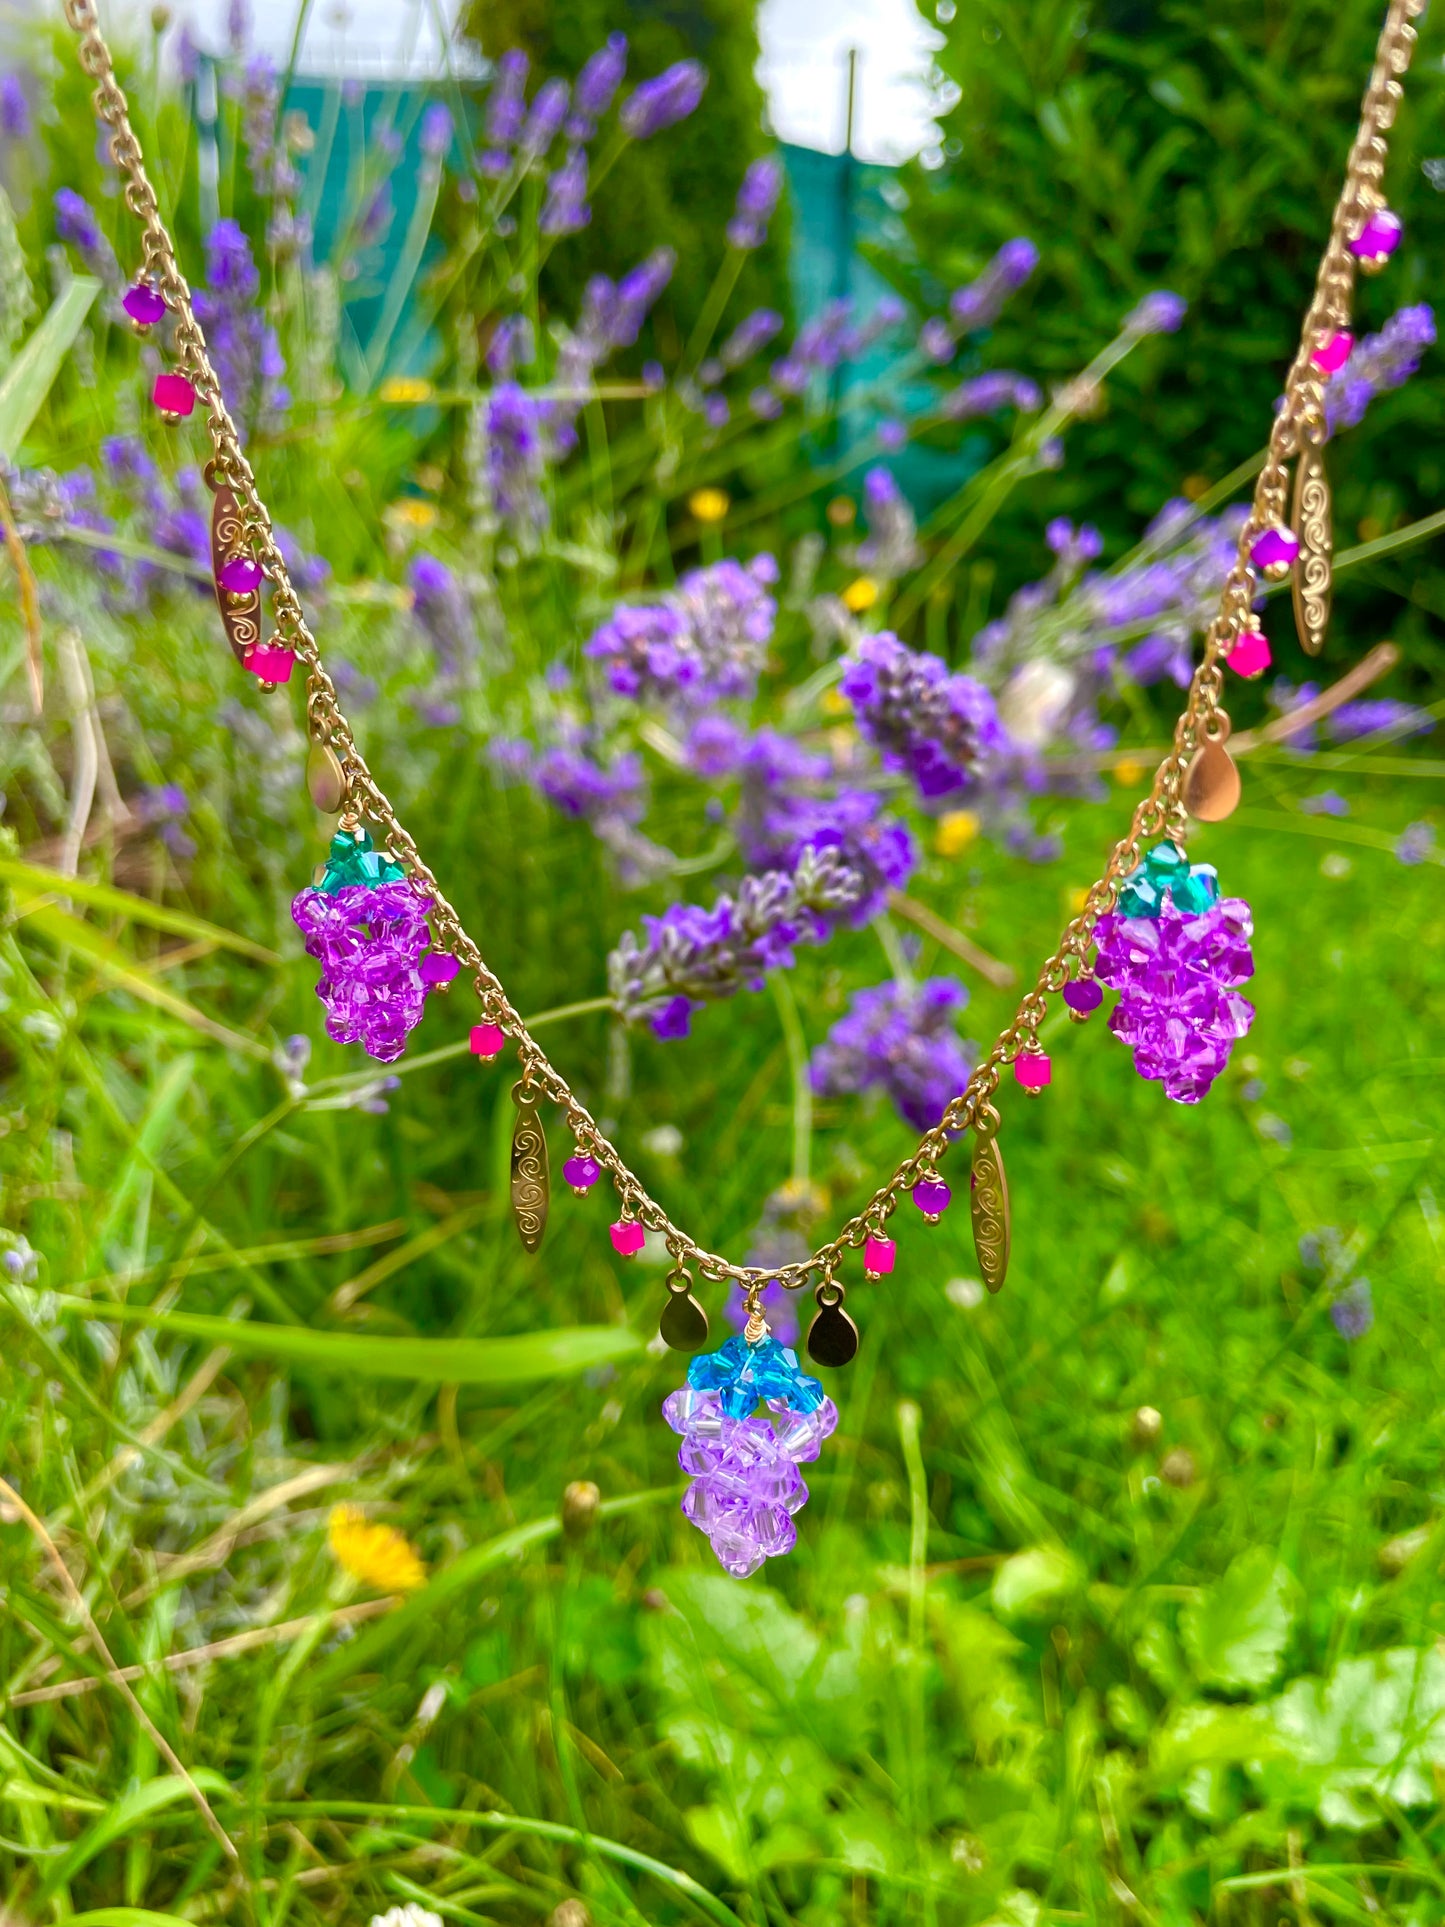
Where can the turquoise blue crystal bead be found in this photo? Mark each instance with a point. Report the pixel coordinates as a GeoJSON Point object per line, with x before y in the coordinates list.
{"type": "Point", "coordinates": [745, 1375]}
{"type": "Point", "coordinates": [1193, 887]}
{"type": "Point", "coordinates": [354, 859]}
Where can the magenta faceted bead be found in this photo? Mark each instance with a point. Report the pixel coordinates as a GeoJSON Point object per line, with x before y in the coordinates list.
{"type": "Point", "coordinates": [143, 304]}
{"type": "Point", "coordinates": [1276, 548]}
{"type": "Point", "coordinates": [173, 395]}
{"type": "Point", "coordinates": [581, 1173]}
{"type": "Point", "coordinates": [1378, 238]}
{"type": "Point", "coordinates": [1034, 1070]}
{"type": "Point", "coordinates": [627, 1237]}
{"type": "Point", "coordinates": [439, 967]}
{"type": "Point", "coordinates": [1082, 995]}
{"type": "Point", "coordinates": [1250, 655]}
{"type": "Point", "coordinates": [1333, 352]}
{"type": "Point", "coordinates": [239, 576]}
{"type": "Point", "coordinates": [878, 1256]}
{"type": "Point", "coordinates": [487, 1040]}
{"type": "Point", "coordinates": [271, 664]}
{"type": "Point", "coordinates": [369, 940]}
{"type": "Point", "coordinates": [933, 1197]}
{"type": "Point", "coordinates": [1177, 974]}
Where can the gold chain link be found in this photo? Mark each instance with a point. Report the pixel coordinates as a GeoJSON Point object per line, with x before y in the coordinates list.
{"type": "Point", "coordinates": [1300, 415]}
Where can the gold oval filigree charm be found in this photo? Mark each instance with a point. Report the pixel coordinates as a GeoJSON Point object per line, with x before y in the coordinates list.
{"type": "Point", "coordinates": [1211, 782]}
{"type": "Point", "coordinates": [988, 1199]}
{"type": "Point", "coordinates": [240, 614]}
{"type": "Point", "coordinates": [1314, 569]}
{"type": "Point", "coordinates": [531, 1169]}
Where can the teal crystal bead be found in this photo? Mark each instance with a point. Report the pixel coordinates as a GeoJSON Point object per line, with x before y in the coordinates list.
{"type": "Point", "coordinates": [355, 859]}
{"type": "Point", "coordinates": [1192, 887]}
{"type": "Point", "coordinates": [745, 1375]}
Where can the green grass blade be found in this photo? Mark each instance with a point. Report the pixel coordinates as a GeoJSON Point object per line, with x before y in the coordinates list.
{"type": "Point", "coordinates": [123, 1816]}
{"type": "Point", "coordinates": [29, 378]}
{"type": "Point", "coordinates": [30, 880]}
{"type": "Point", "coordinates": [516, 1360]}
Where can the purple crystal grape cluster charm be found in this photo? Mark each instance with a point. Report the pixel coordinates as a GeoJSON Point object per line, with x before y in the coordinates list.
{"type": "Point", "coordinates": [743, 1464]}
{"type": "Point", "coordinates": [366, 923]}
{"type": "Point", "coordinates": [1176, 951]}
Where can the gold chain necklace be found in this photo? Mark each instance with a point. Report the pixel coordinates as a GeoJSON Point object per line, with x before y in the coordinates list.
{"type": "Point", "coordinates": [1196, 778]}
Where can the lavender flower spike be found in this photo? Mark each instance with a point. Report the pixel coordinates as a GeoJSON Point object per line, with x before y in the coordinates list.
{"type": "Point", "coordinates": [1379, 363]}
{"type": "Point", "coordinates": [1157, 314]}
{"type": "Point", "coordinates": [757, 198]}
{"type": "Point", "coordinates": [978, 305]}
{"type": "Point", "coordinates": [939, 727]}
{"type": "Point", "coordinates": [662, 102]}
{"type": "Point", "coordinates": [901, 1042]}
{"type": "Point", "coordinates": [597, 86]}
{"type": "Point", "coordinates": [691, 956]}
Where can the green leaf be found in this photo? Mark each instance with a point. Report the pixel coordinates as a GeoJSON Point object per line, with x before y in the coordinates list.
{"type": "Point", "coordinates": [28, 379]}
{"type": "Point", "coordinates": [516, 1360]}
{"type": "Point", "coordinates": [1235, 1635]}
{"type": "Point", "coordinates": [30, 880]}
{"type": "Point", "coordinates": [1373, 1732]}
{"type": "Point", "coordinates": [1035, 1581]}
{"type": "Point", "coordinates": [126, 1917]}
{"type": "Point", "coordinates": [123, 1816]}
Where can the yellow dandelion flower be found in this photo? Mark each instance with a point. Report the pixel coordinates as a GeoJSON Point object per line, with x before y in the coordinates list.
{"type": "Point", "coordinates": [410, 512]}
{"type": "Point", "coordinates": [406, 389]}
{"type": "Point", "coordinates": [379, 1556]}
{"type": "Point", "coordinates": [860, 594]}
{"type": "Point", "coordinates": [833, 702]}
{"type": "Point", "coordinates": [1129, 773]}
{"type": "Point", "coordinates": [956, 830]}
{"type": "Point", "coordinates": [709, 504]}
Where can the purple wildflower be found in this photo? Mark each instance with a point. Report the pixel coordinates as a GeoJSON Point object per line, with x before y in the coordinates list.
{"type": "Point", "coordinates": [238, 26]}
{"type": "Point", "coordinates": [549, 110]}
{"type": "Point", "coordinates": [75, 224]}
{"type": "Point", "coordinates": [565, 210]}
{"type": "Point", "coordinates": [990, 394]}
{"type": "Point", "coordinates": [1326, 803]}
{"type": "Point", "coordinates": [272, 173]}
{"type": "Point", "coordinates": [757, 198]}
{"type": "Point", "coordinates": [935, 340]}
{"type": "Point", "coordinates": [662, 102]}
{"type": "Point", "coordinates": [164, 807]}
{"type": "Point", "coordinates": [902, 1042]}
{"type": "Point", "coordinates": [703, 644]}
{"type": "Point", "coordinates": [511, 344]}
{"type": "Point", "coordinates": [597, 86]}
{"type": "Point", "coordinates": [1379, 363]}
{"type": "Point", "coordinates": [891, 547]}
{"type": "Point", "coordinates": [978, 305]}
{"type": "Point", "coordinates": [243, 346]}
{"type": "Point", "coordinates": [937, 726]}
{"type": "Point", "coordinates": [517, 450]}
{"type": "Point", "coordinates": [15, 119]}
{"type": "Point", "coordinates": [1379, 717]}
{"type": "Point", "coordinates": [506, 110]}
{"type": "Point", "coordinates": [1416, 843]}
{"type": "Point", "coordinates": [443, 612]}
{"type": "Point", "coordinates": [764, 404]}
{"type": "Point", "coordinates": [435, 135]}
{"type": "Point", "coordinates": [1159, 313]}
{"type": "Point", "coordinates": [1353, 1311]}
{"type": "Point", "coordinates": [892, 434]}
{"type": "Point", "coordinates": [752, 333]}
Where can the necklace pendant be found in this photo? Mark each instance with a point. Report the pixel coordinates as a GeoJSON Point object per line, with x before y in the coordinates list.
{"type": "Point", "coordinates": [1211, 782]}
{"type": "Point", "coordinates": [531, 1171]}
{"type": "Point", "coordinates": [1314, 572]}
{"type": "Point", "coordinates": [683, 1325]}
{"type": "Point", "coordinates": [832, 1336]}
{"type": "Point", "coordinates": [241, 607]}
{"type": "Point", "coordinates": [988, 1198]}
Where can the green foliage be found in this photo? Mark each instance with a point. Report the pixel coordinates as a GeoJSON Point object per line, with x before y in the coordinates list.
{"type": "Point", "coordinates": [1144, 144]}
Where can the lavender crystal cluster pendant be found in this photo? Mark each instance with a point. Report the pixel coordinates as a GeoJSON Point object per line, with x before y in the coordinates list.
{"type": "Point", "coordinates": [743, 1463]}
{"type": "Point", "coordinates": [1176, 951]}
{"type": "Point", "coordinates": [367, 925]}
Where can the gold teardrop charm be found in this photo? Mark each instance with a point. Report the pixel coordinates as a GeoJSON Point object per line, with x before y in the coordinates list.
{"type": "Point", "coordinates": [988, 1199]}
{"type": "Point", "coordinates": [832, 1336]}
{"type": "Point", "coordinates": [683, 1325]}
{"type": "Point", "coordinates": [1314, 569]}
{"type": "Point", "coordinates": [1211, 782]}
{"type": "Point", "coordinates": [325, 779]}
{"type": "Point", "coordinates": [531, 1171]}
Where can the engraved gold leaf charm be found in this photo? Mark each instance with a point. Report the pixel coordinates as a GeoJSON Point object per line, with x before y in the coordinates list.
{"type": "Point", "coordinates": [1314, 570]}
{"type": "Point", "coordinates": [531, 1171]}
{"type": "Point", "coordinates": [1211, 782]}
{"type": "Point", "coordinates": [240, 614]}
{"type": "Point", "coordinates": [832, 1336]}
{"type": "Point", "coordinates": [988, 1197]}
{"type": "Point", "coordinates": [683, 1325]}
{"type": "Point", "coordinates": [325, 778]}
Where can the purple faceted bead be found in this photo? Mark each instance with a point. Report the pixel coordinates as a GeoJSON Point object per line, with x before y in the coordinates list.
{"type": "Point", "coordinates": [143, 304]}
{"type": "Point", "coordinates": [439, 967]}
{"type": "Point", "coordinates": [1082, 994]}
{"type": "Point", "coordinates": [369, 943]}
{"type": "Point", "coordinates": [1379, 237]}
{"type": "Point", "coordinates": [582, 1173]}
{"type": "Point", "coordinates": [1275, 549]}
{"type": "Point", "coordinates": [239, 575]}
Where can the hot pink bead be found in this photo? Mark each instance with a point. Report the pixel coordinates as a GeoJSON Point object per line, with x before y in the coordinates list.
{"type": "Point", "coordinates": [581, 1172]}
{"type": "Point", "coordinates": [932, 1196]}
{"type": "Point", "coordinates": [271, 664]}
{"type": "Point", "coordinates": [1250, 655]}
{"type": "Point", "coordinates": [1379, 237]}
{"type": "Point", "coordinates": [439, 967]}
{"type": "Point", "coordinates": [239, 576]}
{"type": "Point", "coordinates": [143, 304]}
{"type": "Point", "coordinates": [173, 395]}
{"type": "Point", "coordinates": [488, 1040]}
{"type": "Point", "coordinates": [1332, 354]}
{"type": "Point", "coordinates": [628, 1238]}
{"type": "Point", "coordinates": [1033, 1070]}
{"type": "Point", "coordinates": [1275, 548]}
{"type": "Point", "coordinates": [878, 1256]}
